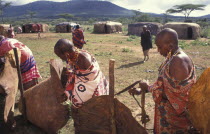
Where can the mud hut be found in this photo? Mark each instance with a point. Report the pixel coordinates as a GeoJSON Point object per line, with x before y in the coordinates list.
{"type": "Point", "coordinates": [4, 28]}
{"type": "Point", "coordinates": [137, 28]}
{"type": "Point", "coordinates": [64, 27]}
{"type": "Point", "coordinates": [185, 30]}
{"type": "Point", "coordinates": [107, 27]}
{"type": "Point", "coordinates": [34, 28]}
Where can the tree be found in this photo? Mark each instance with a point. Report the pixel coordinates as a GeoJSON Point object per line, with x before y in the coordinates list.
{"type": "Point", "coordinates": [165, 17]}
{"type": "Point", "coordinates": [143, 17]}
{"type": "Point", "coordinates": [137, 14]}
{"type": "Point", "coordinates": [3, 5]}
{"type": "Point", "coordinates": [66, 15]}
{"type": "Point", "coordinates": [31, 14]}
{"type": "Point", "coordinates": [185, 9]}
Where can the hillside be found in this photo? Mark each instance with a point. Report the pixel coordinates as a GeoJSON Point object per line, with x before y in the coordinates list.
{"type": "Point", "coordinates": [85, 8]}
{"type": "Point", "coordinates": [206, 16]}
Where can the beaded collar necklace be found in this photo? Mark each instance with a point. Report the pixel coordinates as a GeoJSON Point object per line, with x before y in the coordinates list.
{"type": "Point", "coordinates": [73, 59]}
{"type": "Point", "coordinates": [169, 57]}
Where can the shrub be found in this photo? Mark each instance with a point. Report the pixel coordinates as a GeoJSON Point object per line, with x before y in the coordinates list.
{"type": "Point", "coordinates": [103, 54]}
{"type": "Point", "coordinates": [201, 43]}
{"type": "Point", "coordinates": [126, 50]}
{"type": "Point", "coordinates": [183, 44]}
{"type": "Point", "coordinates": [129, 39]}
{"type": "Point", "coordinates": [205, 32]}
{"type": "Point", "coordinates": [119, 42]}
{"type": "Point", "coordinates": [133, 36]}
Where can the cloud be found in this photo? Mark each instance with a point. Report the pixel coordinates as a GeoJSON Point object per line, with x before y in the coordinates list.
{"type": "Point", "coordinates": [21, 2]}
{"type": "Point", "coordinates": [153, 6]}
{"type": "Point", "coordinates": [160, 6]}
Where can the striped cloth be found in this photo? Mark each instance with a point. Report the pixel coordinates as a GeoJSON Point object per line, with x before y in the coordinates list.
{"type": "Point", "coordinates": [28, 67]}
{"type": "Point", "coordinates": [78, 38]}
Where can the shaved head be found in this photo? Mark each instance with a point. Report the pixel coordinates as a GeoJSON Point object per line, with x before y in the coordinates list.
{"type": "Point", "coordinates": [62, 47]}
{"type": "Point", "coordinates": [168, 36]}
{"type": "Point", "coordinates": [167, 41]}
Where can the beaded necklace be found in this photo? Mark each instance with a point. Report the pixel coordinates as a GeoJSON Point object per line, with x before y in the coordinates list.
{"type": "Point", "coordinates": [73, 59]}
{"type": "Point", "coordinates": [169, 57]}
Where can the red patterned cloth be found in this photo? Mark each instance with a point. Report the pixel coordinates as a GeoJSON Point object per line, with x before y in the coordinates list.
{"type": "Point", "coordinates": [78, 38]}
{"type": "Point", "coordinates": [28, 67]}
{"type": "Point", "coordinates": [31, 74]}
{"type": "Point", "coordinates": [171, 97]}
{"type": "Point", "coordinates": [82, 85]}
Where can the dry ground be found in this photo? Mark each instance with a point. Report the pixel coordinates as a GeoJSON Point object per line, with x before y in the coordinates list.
{"type": "Point", "coordinates": [128, 68]}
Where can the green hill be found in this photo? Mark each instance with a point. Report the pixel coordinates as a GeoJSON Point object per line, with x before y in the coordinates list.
{"type": "Point", "coordinates": [77, 8]}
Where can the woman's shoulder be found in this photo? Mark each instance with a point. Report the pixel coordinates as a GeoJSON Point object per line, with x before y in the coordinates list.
{"type": "Point", "coordinates": [180, 66]}
{"type": "Point", "coordinates": [84, 60]}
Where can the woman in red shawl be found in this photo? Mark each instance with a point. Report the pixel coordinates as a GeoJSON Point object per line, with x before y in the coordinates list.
{"type": "Point", "coordinates": [170, 91]}
{"type": "Point", "coordinates": [29, 71]}
{"type": "Point", "coordinates": [78, 37]}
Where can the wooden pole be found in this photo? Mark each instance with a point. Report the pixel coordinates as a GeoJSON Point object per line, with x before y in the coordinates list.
{"type": "Point", "coordinates": [111, 77]}
{"type": "Point", "coordinates": [144, 116]}
{"type": "Point", "coordinates": [20, 83]}
{"type": "Point", "coordinates": [111, 93]}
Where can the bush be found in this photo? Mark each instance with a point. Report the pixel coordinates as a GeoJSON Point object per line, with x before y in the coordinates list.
{"type": "Point", "coordinates": [103, 54]}
{"type": "Point", "coordinates": [133, 36]}
{"type": "Point", "coordinates": [183, 44]}
{"type": "Point", "coordinates": [119, 42]}
{"type": "Point", "coordinates": [51, 28]}
{"type": "Point", "coordinates": [126, 50]}
{"type": "Point", "coordinates": [129, 39]}
{"type": "Point", "coordinates": [205, 32]}
{"type": "Point", "coordinates": [201, 43]}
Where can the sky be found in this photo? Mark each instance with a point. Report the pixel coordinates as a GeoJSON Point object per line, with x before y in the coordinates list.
{"type": "Point", "coordinates": [152, 6]}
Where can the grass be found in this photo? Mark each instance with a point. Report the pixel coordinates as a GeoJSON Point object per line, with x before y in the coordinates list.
{"type": "Point", "coordinates": [128, 67]}
{"type": "Point", "coordinates": [205, 32]}
{"type": "Point", "coordinates": [200, 42]}
{"type": "Point", "coordinates": [183, 44]}
{"type": "Point", "coordinates": [126, 50]}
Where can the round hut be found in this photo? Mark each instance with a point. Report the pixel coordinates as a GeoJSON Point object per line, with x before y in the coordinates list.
{"type": "Point", "coordinates": [35, 28]}
{"type": "Point", "coordinates": [107, 27]}
{"type": "Point", "coordinates": [137, 28]}
{"type": "Point", "coordinates": [4, 28]}
{"type": "Point", "coordinates": [64, 27]}
{"type": "Point", "coordinates": [185, 30]}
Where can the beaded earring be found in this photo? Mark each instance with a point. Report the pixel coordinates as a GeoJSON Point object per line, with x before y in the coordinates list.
{"type": "Point", "coordinates": [169, 54]}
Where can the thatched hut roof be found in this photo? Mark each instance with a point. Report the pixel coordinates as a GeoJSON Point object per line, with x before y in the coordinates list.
{"type": "Point", "coordinates": [137, 28]}
{"type": "Point", "coordinates": [185, 30]}
{"type": "Point", "coordinates": [34, 28]}
{"type": "Point", "coordinates": [4, 28]}
{"type": "Point", "coordinates": [107, 27]}
{"type": "Point", "coordinates": [64, 27]}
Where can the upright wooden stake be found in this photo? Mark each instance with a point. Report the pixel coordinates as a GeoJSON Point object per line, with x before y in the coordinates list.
{"type": "Point", "coordinates": [111, 93]}
{"type": "Point", "coordinates": [20, 84]}
{"type": "Point", "coordinates": [111, 77]}
{"type": "Point", "coordinates": [143, 118]}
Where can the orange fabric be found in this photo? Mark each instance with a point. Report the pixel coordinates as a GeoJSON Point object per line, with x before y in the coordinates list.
{"type": "Point", "coordinates": [171, 98]}
{"type": "Point", "coordinates": [199, 100]}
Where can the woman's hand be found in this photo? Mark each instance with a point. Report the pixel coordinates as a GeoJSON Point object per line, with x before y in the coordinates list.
{"type": "Point", "coordinates": [134, 91]}
{"type": "Point", "coordinates": [144, 85]}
